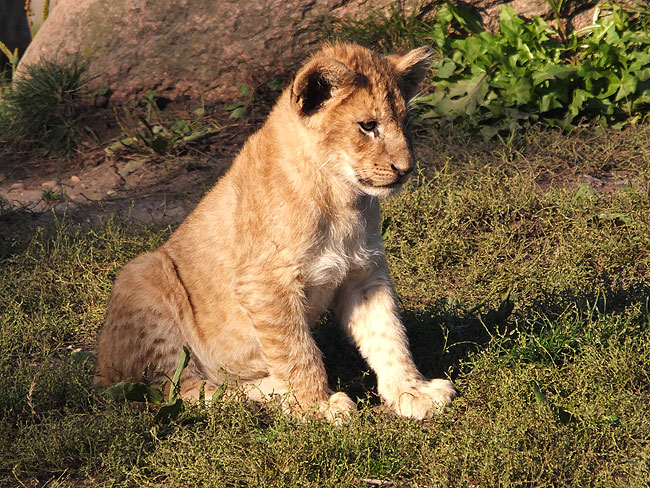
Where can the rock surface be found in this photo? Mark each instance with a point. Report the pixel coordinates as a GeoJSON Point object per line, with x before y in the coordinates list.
{"type": "Point", "coordinates": [203, 47]}
{"type": "Point", "coordinates": [185, 47]}
{"type": "Point", "coordinates": [577, 14]}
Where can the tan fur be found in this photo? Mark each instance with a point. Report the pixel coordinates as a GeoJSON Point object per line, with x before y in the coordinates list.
{"type": "Point", "coordinates": [292, 229]}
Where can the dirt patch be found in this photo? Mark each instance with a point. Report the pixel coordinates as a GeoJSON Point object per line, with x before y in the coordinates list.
{"type": "Point", "coordinates": [138, 185]}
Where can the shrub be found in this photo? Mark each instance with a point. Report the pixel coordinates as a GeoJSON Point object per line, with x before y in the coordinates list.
{"type": "Point", "coordinates": [43, 108]}
{"type": "Point", "coordinates": [527, 71]}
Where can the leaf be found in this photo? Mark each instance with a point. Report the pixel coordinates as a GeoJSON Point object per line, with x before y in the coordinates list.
{"type": "Point", "coordinates": [643, 99]}
{"type": "Point", "coordinates": [201, 134]}
{"type": "Point", "coordinates": [552, 72]}
{"type": "Point", "coordinates": [643, 74]}
{"type": "Point", "coordinates": [175, 387]}
{"type": "Point", "coordinates": [464, 97]}
{"type": "Point", "coordinates": [539, 396]}
{"type": "Point", "coordinates": [169, 412]}
{"type": "Point", "coordinates": [509, 24]}
{"type": "Point", "coordinates": [121, 144]}
{"type": "Point", "coordinates": [548, 101]}
{"type": "Point", "coordinates": [218, 395]}
{"type": "Point", "coordinates": [447, 69]}
{"type": "Point", "coordinates": [239, 113]}
{"type": "Point", "coordinates": [135, 392]}
{"type": "Point", "coordinates": [522, 91]}
{"type": "Point", "coordinates": [472, 49]}
{"type": "Point", "coordinates": [235, 105]}
{"type": "Point", "coordinates": [130, 167]}
{"type": "Point", "coordinates": [465, 16]}
{"type": "Point", "coordinates": [579, 99]}
{"type": "Point", "coordinates": [564, 416]}
{"type": "Point", "coordinates": [439, 32]}
{"type": "Point", "coordinates": [627, 87]}
{"type": "Point", "coordinates": [245, 90]}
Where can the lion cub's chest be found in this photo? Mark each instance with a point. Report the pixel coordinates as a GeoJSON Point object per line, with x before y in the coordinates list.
{"type": "Point", "coordinates": [337, 251]}
{"type": "Point", "coordinates": [328, 268]}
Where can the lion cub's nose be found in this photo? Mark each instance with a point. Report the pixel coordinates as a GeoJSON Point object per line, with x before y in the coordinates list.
{"type": "Point", "coordinates": [402, 172]}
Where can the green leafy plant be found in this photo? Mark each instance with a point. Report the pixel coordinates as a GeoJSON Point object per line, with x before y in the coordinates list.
{"type": "Point", "coordinates": [264, 94]}
{"type": "Point", "coordinates": [143, 392]}
{"type": "Point", "coordinates": [241, 108]}
{"type": "Point", "coordinates": [43, 109]}
{"type": "Point", "coordinates": [52, 197]}
{"type": "Point", "coordinates": [525, 72]}
{"type": "Point", "coordinates": [13, 57]}
{"type": "Point", "coordinates": [157, 133]}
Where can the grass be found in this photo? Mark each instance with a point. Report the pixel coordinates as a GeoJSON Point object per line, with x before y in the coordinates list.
{"type": "Point", "coordinates": [42, 110]}
{"type": "Point", "coordinates": [529, 288]}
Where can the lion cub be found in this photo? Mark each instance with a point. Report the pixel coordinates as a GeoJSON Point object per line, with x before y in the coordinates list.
{"type": "Point", "coordinates": [292, 229]}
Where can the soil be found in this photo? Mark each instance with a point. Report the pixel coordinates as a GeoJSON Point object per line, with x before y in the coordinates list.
{"type": "Point", "coordinates": [139, 185]}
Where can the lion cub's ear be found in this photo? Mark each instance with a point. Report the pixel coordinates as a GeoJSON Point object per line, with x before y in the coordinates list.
{"type": "Point", "coordinates": [318, 81]}
{"type": "Point", "coordinates": [411, 69]}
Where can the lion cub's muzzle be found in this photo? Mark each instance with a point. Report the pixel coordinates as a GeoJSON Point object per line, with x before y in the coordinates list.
{"type": "Point", "coordinates": [390, 178]}
{"type": "Point", "coordinates": [402, 173]}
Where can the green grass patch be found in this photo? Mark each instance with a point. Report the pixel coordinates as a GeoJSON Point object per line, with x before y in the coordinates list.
{"type": "Point", "coordinates": [42, 109]}
{"type": "Point", "coordinates": [530, 288]}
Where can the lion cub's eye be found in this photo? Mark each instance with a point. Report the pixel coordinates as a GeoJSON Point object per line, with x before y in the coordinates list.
{"type": "Point", "coordinates": [369, 126]}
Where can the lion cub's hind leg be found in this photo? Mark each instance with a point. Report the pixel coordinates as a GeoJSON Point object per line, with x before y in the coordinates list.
{"type": "Point", "coordinates": [142, 336]}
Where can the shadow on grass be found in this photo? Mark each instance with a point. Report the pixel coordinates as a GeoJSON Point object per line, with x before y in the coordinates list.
{"type": "Point", "coordinates": [16, 228]}
{"type": "Point", "coordinates": [443, 340]}
{"type": "Point", "coordinates": [440, 339]}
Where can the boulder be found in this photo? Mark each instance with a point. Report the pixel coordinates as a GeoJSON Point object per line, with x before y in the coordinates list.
{"type": "Point", "coordinates": [203, 47]}
{"type": "Point", "coordinates": [185, 47]}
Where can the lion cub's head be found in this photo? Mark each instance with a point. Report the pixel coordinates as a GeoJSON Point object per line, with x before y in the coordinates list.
{"type": "Point", "coordinates": [355, 103]}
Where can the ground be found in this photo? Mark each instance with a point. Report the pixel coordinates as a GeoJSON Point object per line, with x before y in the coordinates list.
{"type": "Point", "coordinates": [142, 184]}
{"type": "Point", "coordinates": [165, 188]}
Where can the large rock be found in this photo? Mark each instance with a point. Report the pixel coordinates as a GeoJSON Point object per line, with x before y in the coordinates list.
{"type": "Point", "coordinates": [202, 47]}
{"type": "Point", "coordinates": [185, 47]}
{"type": "Point", "coordinates": [576, 14]}
{"type": "Point", "coordinates": [14, 31]}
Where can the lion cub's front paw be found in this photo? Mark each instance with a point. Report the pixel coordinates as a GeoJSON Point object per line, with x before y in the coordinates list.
{"type": "Point", "coordinates": [337, 408]}
{"type": "Point", "coordinates": [423, 399]}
